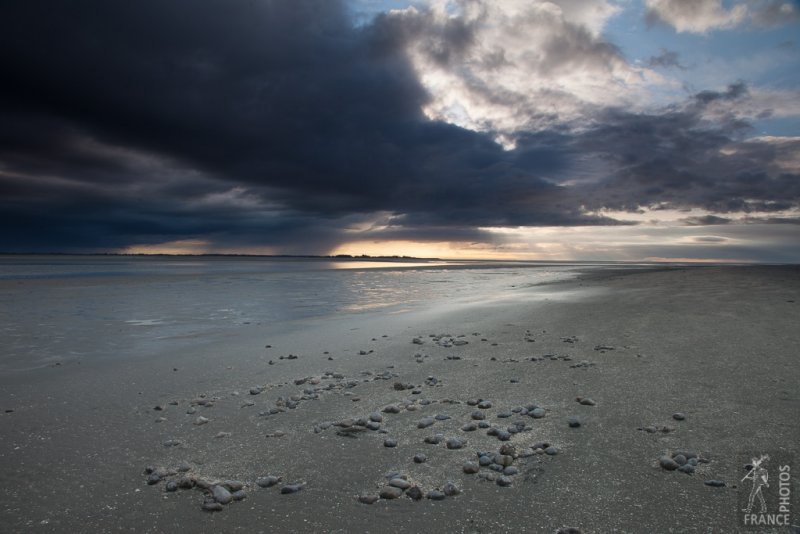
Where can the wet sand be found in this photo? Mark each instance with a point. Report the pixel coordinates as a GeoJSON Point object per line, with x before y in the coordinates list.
{"type": "Point", "coordinates": [718, 344]}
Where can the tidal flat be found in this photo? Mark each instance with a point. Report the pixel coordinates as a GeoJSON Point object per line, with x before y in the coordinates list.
{"type": "Point", "coordinates": [422, 398]}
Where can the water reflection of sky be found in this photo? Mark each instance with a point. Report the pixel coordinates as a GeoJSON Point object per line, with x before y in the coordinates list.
{"type": "Point", "coordinates": [62, 307]}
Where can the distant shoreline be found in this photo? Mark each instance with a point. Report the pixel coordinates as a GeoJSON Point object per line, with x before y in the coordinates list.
{"type": "Point", "coordinates": [394, 258]}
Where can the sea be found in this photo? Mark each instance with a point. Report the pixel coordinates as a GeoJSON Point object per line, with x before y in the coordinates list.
{"type": "Point", "coordinates": [54, 308]}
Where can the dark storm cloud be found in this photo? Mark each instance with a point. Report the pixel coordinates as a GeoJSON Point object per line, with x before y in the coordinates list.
{"type": "Point", "coordinates": [666, 59]}
{"type": "Point", "coordinates": [279, 123]}
{"type": "Point", "coordinates": [119, 115]}
{"type": "Point", "coordinates": [681, 159]}
{"type": "Point", "coordinates": [705, 220]}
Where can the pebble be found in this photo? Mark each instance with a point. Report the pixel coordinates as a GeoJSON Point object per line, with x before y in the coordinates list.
{"type": "Point", "coordinates": [414, 493]}
{"type": "Point", "coordinates": [504, 481]}
{"type": "Point", "coordinates": [569, 530]}
{"type": "Point", "coordinates": [392, 408]}
{"type": "Point", "coordinates": [586, 401]}
{"type": "Point", "coordinates": [518, 427]}
{"type": "Point", "coordinates": [537, 413]}
{"type": "Point", "coordinates": [425, 422]}
{"type": "Point", "coordinates": [668, 463]}
{"type": "Point", "coordinates": [686, 468]}
{"type": "Point", "coordinates": [504, 415]}
{"type": "Point", "coordinates": [478, 416]}
{"type": "Point", "coordinates": [484, 405]}
{"type": "Point", "coordinates": [238, 495]}
{"type": "Point", "coordinates": [221, 495]}
{"type": "Point", "coordinates": [390, 442]}
{"type": "Point", "coordinates": [715, 483]}
{"type": "Point", "coordinates": [390, 492]}
{"type": "Point", "coordinates": [678, 416]}
{"type": "Point", "coordinates": [503, 459]}
{"type": "Point", "coordinates": [401, 483]}
{"type": "Point", "coordinates": [469, 427]}
{"type": "Point", "coordinates": [508, 449]}
{"type": "Point", "coordinates": [503, 435]}
{"type": "Point", "coordinates": [201, 420]}
{"type": "Point", "coordinates": [434, 440]}
{"type": "Point", "coordinates": [679, 459]}
{"type": "Point", "coordinates": [203, 484]}
{"type": "Point", "coordinates": [451, 489]}
{"type": "Point", "coordinates": [551, 451]}
{"type": "Point", "coordinates": [368, 499]}
{"type": "Point", "coordinates": [185, 483]}
{"type": "Point", "coordinates": [233, 485]}
{"type": "Point", "coordinates": [484, 424]}
{"type": "Point", "coordinates": [376, 417]}
{"type": "Point", "coordinates": [526, 452]}
{"type": "Point", "coordinates": [268, 481]}
{"type": "Point", "coordinates": [255, 391]}
{"type": "Point", "coordinates": [573, 422]}
{"type": "Point", "coordinates": [510, 470]}
{"type": "Point", "coordinates": [212, 506]}
{"type": "Point", "coordinates": [484, 460]}
{"type": "Point", "coordinates": [420, 458]}
{"type": "Point", "coordinates": [372, 425]}
{"type": "Point", "coordinates": [436, 495]}
{"type": "Point", "coordinates": [442, 417]}
{"type": "Point", "coordinates": [291, 488]}
{"type": "Point", "coordinates": [153, 478]}
{"type": "Point", "coordinates": [454, 443]}
{"type": "Point", "coordinates": [471, 468]}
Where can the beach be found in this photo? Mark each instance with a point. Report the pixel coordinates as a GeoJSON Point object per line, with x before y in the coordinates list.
{"type": "Point", "coordinates": [584, 381]}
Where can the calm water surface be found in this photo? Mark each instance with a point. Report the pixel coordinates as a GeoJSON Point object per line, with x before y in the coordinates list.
{"type": "Point", "coordinates": [54, 308]}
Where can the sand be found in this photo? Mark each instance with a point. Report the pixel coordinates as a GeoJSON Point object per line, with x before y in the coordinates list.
{"type": "Point", "coordinates": [718, 344]}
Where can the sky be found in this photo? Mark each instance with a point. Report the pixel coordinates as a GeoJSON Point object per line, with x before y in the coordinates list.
{"type": "Point", "coordinates": [632, 130]}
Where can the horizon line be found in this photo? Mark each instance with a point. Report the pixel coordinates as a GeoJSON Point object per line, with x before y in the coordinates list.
{"type": "Point", "coordinates": [367, 257]}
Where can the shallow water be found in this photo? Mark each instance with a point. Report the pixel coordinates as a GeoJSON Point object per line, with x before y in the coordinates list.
{"type": "Point", "coordinates": [57, 308]}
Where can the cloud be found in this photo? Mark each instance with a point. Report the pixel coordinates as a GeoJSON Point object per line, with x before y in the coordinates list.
{"type": "Point", "coordinates": [666, 59]}
{"type": "Point", "coordinates": [706, 220]}
{"type": "Point", "coordinates": [281, 126]}
{"type": "Point", "coordinates": [769, 13]}
{"type": "Point", "coordinates": [701, 16]}
{"type": "Point", "coordinates": [506, 67]}
{"type": "Point", "coordinates": [688, 156]}
{"type": "Point", "coordinates": [697, 16]}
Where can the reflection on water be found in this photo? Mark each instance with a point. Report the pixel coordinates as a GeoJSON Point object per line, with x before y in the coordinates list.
{"type": "Point", "coordinates": [53, 307]}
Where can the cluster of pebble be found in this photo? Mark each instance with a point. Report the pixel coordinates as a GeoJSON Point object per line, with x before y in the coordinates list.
{"type": "Point", "coordinates": [683, 461]}
{"type": "Point", "coordinates": [549, 357]}
{"type": "Point", "coordinates": [445, 340]}
{"type": "Point", "coordinates": [491, 466]}
{"type": "Point", "coordinates": [398, 485]}
{"type": "Point", "coordinates": [497, 466]}
{"type": "Point", "coordinates": [216, 494]}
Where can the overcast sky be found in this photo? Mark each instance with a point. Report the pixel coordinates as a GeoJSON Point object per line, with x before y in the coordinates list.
{"type": "Point", "coordinates": [530, 129]}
